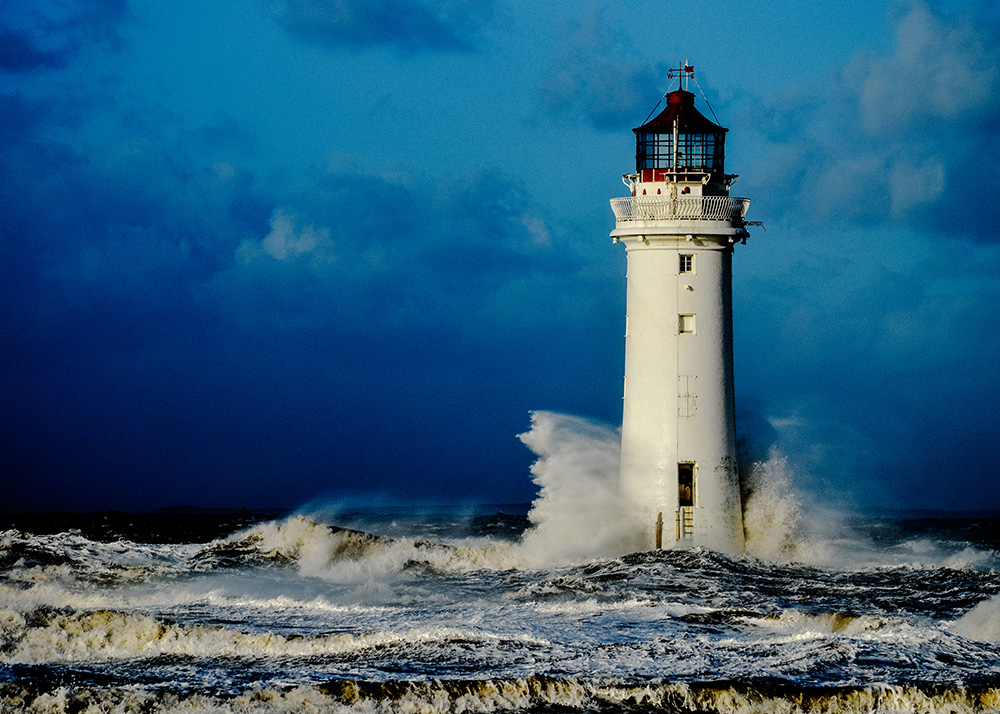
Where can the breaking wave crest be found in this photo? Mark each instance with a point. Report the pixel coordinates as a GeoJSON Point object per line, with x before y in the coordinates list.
{"type": "Point", "coordinates": [69, 557]}
{"type": "Point", "coordinates": [47, 635]}
{"type": "Point", "coordinates": [529, 694]}
{"type": "Point", "coordinates": [344, 555]}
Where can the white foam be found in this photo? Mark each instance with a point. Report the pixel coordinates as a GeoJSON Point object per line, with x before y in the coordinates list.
{"type": "Point", "coordinates": [71, 557]}
{"type": "Point", "coordinates": [351, 557]}
{"type": "Point", "coordinates": [927, 552]}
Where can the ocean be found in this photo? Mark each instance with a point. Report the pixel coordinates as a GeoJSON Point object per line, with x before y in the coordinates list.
{"type": "Point", "coordinates": [543, 607]}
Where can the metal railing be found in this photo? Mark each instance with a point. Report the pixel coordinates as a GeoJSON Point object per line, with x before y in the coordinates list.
{"type": "Point", "coordinates": [690, 208]}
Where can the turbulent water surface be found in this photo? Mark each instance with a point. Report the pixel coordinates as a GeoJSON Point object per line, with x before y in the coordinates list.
{"type": "Point", "coordinates": [487, 610]}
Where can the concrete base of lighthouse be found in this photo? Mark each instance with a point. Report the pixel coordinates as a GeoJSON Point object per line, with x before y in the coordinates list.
{"type": "Point", "coordinates": [678, 457]}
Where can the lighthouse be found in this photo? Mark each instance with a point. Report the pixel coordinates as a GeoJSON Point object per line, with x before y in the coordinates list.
{"type": "Point", "coordinates": [679, 226]}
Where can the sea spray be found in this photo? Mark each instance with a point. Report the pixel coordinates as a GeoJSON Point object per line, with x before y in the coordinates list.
{"type": "Point", "coordinates": [783, 522]}
{"type": "Point", "coordinates": [772, 511]}
{"type": "Point", "coordinates": [981, 623]}
{"type": "Point", "coordinates": [578, 514]}
{"type": "Point", "coordinates": [786, 522]}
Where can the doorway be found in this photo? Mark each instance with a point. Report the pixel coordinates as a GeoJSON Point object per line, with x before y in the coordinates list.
{"type": "Point", "coordinates": [685, 485]}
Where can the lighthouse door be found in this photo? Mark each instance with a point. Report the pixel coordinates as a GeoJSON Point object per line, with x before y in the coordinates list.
{"type": "Point", "coordinates": [685, 485]}
{"type": "Point", "coordinates": [685, 500]}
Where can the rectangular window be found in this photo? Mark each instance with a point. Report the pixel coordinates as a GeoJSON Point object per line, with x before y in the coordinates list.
{"type": "Point", "coordinates": [686, 324]}
{"type": "Point", "coordinates": [687, 263]}
{"type": "Point", "coordinates": [697, 152]}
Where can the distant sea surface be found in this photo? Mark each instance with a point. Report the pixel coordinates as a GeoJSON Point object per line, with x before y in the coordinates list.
{"type": "Point", "coordinates": [463, 610]}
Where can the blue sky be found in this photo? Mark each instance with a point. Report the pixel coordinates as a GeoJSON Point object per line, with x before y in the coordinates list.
{"type": "Point", "coordinates": [259, 253]}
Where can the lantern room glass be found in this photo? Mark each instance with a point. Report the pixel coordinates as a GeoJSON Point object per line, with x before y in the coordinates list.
{"type": "Point", "coordinates": [695, 152]}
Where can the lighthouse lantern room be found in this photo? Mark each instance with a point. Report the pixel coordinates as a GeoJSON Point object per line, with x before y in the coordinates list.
{"type": "Point", "coordinates": [679, 227]}
{"type": "Point", "coordinates": [679, 141]}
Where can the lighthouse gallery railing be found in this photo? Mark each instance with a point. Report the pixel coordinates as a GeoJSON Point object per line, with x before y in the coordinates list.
{"type": "Point", "coordinates": [698, 208]}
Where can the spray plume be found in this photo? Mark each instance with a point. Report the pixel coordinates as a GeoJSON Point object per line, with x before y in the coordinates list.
{"type": "Point", "coordinates": [578, 514]}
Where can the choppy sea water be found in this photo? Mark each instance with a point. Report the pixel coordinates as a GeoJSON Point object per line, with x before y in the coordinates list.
{"type": "Point", "coordinates": [490, 610]}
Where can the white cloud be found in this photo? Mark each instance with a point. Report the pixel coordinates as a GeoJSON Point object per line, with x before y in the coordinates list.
{"type": "Point", "coordinates": [899, 137]}
{"type": "Point", "coordinates": [942, 68]}
{"type": "Point", "coordinates": [914, 183]}
{"type": "Point", "coordinates": [287, 241]}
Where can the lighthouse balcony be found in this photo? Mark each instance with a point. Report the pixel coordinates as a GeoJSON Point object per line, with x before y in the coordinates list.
{"type": "Point", "coordinates": [680, 208]}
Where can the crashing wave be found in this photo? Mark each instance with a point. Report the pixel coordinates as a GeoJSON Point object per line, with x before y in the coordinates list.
{"type": "Point", "coordinates": [345, 555]}
{"type": "Point", "coordinates": [47, 635]}
{"type": "Point", "coordinates": [66, 557]}
{"type": "Point", "coordinates": [285, 542]}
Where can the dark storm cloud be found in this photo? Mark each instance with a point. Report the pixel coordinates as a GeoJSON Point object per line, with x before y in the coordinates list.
{"type": "Point", "coordinates": [416, 263]}
{"type": "Point", "coordinates": [900, 137]}
{"type": "Point", "coordinates": [592, 77]}
{"type": "Point", "coordinates": [169, 318]}
{"type": "Point", "coordinates": [409, 25]}
{"type": "Point", "coordinates": [51, 36]}
{"type": "Point", "coordinates": [19, 53]}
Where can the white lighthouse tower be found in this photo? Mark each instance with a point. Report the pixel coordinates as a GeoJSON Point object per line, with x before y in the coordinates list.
{"type": "Point", "coordinates": [679, 227]}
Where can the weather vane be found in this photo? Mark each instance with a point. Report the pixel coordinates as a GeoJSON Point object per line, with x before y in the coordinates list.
{"type": "Point", "coordinates": [682, 71]}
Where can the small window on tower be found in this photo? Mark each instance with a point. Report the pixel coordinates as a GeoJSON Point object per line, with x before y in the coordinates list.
{"type": "Point", "coordinates": [687, 323]}
{"type": "Point", "coordinates": [687, 263]}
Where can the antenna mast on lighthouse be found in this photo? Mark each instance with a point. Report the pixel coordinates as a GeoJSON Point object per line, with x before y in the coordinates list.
{"type": "Point", "coordinates": [679, 227]}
